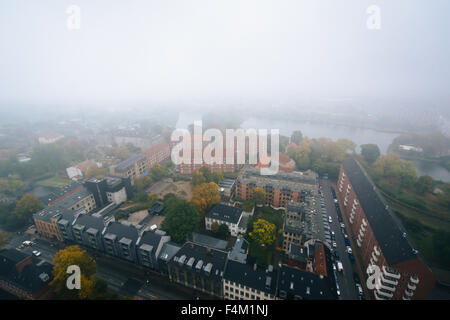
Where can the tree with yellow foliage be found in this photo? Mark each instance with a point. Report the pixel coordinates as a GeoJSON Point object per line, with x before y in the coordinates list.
{"type": "Point", "coordinates": [205, 196]}
{"type": "Point", "coordinates": [73, 255]}
{"type": "Point", "coordinates": [263, 232]}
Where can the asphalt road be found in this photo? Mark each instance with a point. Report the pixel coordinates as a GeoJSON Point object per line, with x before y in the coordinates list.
{"type": "Point", "coordinates": [345, 278]}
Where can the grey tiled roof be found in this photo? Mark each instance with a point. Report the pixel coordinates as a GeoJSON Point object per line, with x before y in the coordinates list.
{"type": "Point", "coordinates": [224, 213]}
{"type": "Point", "coordinates": [389, 232]}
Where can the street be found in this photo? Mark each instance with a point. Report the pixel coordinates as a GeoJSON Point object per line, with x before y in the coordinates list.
{"type": "Point", "coordinates": [345, 278]}
{"type": "Point", "coordinates": [114, 271]}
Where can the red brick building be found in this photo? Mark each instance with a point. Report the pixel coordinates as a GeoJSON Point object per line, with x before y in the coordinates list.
{"type": "Point", "coordinates": [381, 239]}
{"type": "Point", "coordinates": [189, 168]}
{"type": "Point", "coordinates": [157, 153]}
{"type": "Point", "coordinates": [279, 188]}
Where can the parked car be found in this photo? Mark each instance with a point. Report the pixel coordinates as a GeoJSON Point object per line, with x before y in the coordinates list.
{"type": "Point", "coordinates": [360, 290]}
{"type": "Point", "coordinates": [351, 257]}
{"type": "Point", "coordinates": [342, 225]}
{"type": "Point", "coordinates": [334, 244]}
{"type": "Point", "coordinates": [349, 250]}
{"type": "Point", "coordinates": [330, 220]}
{"type": "Point", "coordinates": [336, 255]}
{"type": "Point", "coordinates": [356, 277]}
{"type": "Point", "coordinates": [347, 242]}
{"type": "Point", "coordinates": [339, 266]}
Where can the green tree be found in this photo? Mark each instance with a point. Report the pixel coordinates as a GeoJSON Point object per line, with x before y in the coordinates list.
{"type": "Point", "coordinates": [27, 206]}
{"type": "Point", "coordinates": [424, 184]}
{"type": "Point", "coordinates": [142, 183]}
{"type": "Point", "coordinates": [370, 152]}
{"type": "Point", "coordinates": [223, 231]}
{"type": "Point", "coordinates": [347, 144]}
{"type": "Point", "coordinates": [182, 218]}
{"type": "Point", "coordinates": [259, 195]}
{"type": "Point", "coordinates": [157, 172]}
{"type": "Point", "coordinates": [197, 178]}
{"type": "Point", "coordinates": [296, 137]}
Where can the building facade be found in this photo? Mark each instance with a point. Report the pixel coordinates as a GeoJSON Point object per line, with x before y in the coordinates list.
{"type": "Point", "coordinates": [381, 240]}
{"type": "Point", "coordinates": [280, 188]}
{"type": "Point", "coordinates": [133, 167]}
{"type": "Point", "coordinates": [224, 214]}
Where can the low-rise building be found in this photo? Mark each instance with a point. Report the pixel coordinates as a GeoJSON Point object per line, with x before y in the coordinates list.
{"type": "Point", "coordinates": [23, 277]}
{"type": "Point", "coordinates": [296, 284]}
{"type": "Point", "coordinates": [247, 282]}
{"type": "Point", "coordinates": [157, 153]}
{"type": "Point", "coordinates": [133, 167]}
{"type": "Point", "coordinates": [149, 246]}
{"type": "Point", "coordinates": [280, 188]}
{"type": "Point", "coordinates": [46, 221]}
{"type": "Point", "coordinates": [224, 214]}
{"type": "Point", "coordinates": [199, 267]}
{"type": "Point", "coordinates": [119, 239]}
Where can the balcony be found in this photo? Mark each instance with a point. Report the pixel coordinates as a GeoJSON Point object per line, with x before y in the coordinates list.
{"type": "Point", "coordinates": [387, 279]}
{"type": "Point", "coordinates": [378, 297]}
{"type": "Point", "coordinates": [360, 238]}
{"type": "Point", "coordinates": [351, 220]}
{"type": "Point", "coordinates": [409, 293]}
{"type": "Point", "coordinates": [361, 233]}
{"type": "Point", "coordinates": [391, 272]}
{"type": "Point", "coordinates": [375, 249]}
{"type": "Point", "coordinates": [412, 286]}
{"type": "Point", "coordinates": [384, 293]}
{"type": "Point", "coordinates": [374, 256]}
{"type": "Point", "coordinates": [414, 279]}
{"type": "Point", "coordinates": [386, 286]}
{"type": "Point", "coordinates": [359, 243]}
{"type": "Point", "coordinates": [363, 228]}
{"type": "Point", "coordinates": [364, 222]}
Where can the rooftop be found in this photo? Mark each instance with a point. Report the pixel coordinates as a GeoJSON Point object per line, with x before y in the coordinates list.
{"type": "Point", "coordinates": [294, 181]}
{"type": "Point", "coordinates": [390, 234]}
{"type": "Point", "coordinates": [210, 262]}
{"type": "Point", "coordinates": [225, 213]}
{"type": "Point", "coordinates": [209, 241]}
{"type": "Point", "coordinates": [128, 163]}
{"type": "Point", "coordinates": [298, 285]}
{"type": "Point", "coordinates": [258, 279]}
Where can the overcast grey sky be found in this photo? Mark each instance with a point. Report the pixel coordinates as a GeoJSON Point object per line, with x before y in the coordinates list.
{"type": "Point", "coordinates": [137, 50]}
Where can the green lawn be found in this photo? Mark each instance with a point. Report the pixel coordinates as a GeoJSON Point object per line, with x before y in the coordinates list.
{"type": "Point", "coordinates": [54, 182]}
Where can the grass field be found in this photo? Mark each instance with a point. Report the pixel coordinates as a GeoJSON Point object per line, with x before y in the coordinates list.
{"type": "Point", "coordinates": [54, 182]}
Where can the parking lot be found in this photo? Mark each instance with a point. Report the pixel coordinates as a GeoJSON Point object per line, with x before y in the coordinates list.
{"type": "Point", "coordinates": [337, 237]}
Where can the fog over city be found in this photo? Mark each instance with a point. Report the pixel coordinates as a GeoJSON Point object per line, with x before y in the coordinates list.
{"type": "Point", "coordinates": [133, 53]}
{"type": "Point", "coordinates": [220, 150]}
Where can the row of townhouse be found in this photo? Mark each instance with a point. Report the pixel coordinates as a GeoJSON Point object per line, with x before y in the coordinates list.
{"type": "Point", "coordinates": [118, 239]}
{"type": "Point", "coordinates": [228, 275]}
